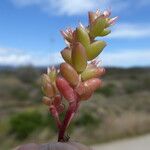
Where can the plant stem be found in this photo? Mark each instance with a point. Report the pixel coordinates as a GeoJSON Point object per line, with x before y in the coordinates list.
{"type": "Point", "coordinates": [68, 117]}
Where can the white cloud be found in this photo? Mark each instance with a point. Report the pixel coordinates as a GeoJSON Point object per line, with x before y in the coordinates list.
{"type": "Point", "coordinates": [128, 30]}
{"type": "Point", "coordinates": [79, 7]}
{"type": "Point", "coordinates": [72, 7]}
{"type": "Point", "coordinates": [16, 57]}
{"type": "Point", "coordinates": [122, 58]}
{"type": "Point", "coordinates": [126, 58]}
{"type": "Point", "coordinates": [13, 57]}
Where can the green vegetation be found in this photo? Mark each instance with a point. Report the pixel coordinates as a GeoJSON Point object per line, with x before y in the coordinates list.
{"type": "Point", "coordinates": [107, 90]}
{"type": "Point", "coordinates": [86, 119]}
{"type": "Point", "coordinates": [119, 109]}
{"type": "Point", "coordinates": [25, 123]}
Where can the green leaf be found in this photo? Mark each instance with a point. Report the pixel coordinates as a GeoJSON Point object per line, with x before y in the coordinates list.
{"type": "Point", "coordinates": [66, 54]}
{"type": "Point", "coordinates": [97, 27]}
{"type": "Point", "coordinates": [82, 36]}
{"type": "Point", "coordinates": [95, 49]}
{"type": "Point", "coordinates": [79, 57]}
{"type": "Point", "coordinates": [105, 32]}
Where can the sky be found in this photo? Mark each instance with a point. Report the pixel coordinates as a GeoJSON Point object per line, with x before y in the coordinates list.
{"type": "Point", "coordinates": [30, 31]}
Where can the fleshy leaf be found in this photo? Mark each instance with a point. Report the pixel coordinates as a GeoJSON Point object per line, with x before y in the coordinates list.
{"type": "Point", "coordinates": [69, 73]}
{"type": "Point", "coordinates": [65, 89]}
{"type": "Point", "coordinates": [92, 72]}
{"type": "Point", "coordinates": [82, 36]}
{"type": "Point", "coordinates": [95, 49]}
{"type": "Point", "coordinates": [97, 27]}
{"type": "Point", "coordinates": [79, 57]}
{"type": "Point", "coordinates": [105, 32]}
{"type": "Point", "coordinates": [88, 86]}
{"type": "Point", "coordinates": [66, 54]}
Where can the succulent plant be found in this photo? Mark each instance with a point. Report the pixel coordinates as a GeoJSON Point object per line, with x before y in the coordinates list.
{"type": "Point", "coordinates": [76, 79]}
{"type": "Point", "coordinates": [79, 76]}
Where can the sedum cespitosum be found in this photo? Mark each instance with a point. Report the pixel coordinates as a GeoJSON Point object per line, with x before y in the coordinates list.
{"type": "Point", "coordinates": [79, 76]}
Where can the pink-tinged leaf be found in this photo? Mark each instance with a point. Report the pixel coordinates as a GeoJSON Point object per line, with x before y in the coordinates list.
{"type": "Point", "coordinates": [92, 84]}
{"type": "Point", "coordinates": [86, 96]}
{"type": "Point", "coordinates": [68, 34]}
{"type": "Point", "coordinates": [80, 89]}
{"type": "Point", "coordinates": [89, 86]}
{"type": "Point", "coordinates": [69, 73]}
{"type": "Point", "coordinates": [66, 54]}
{"type": "Point", "coordinates": [92, 72]}
{"type": "Point", "coordinates": [79, 57]}
{"type": "Point", "coordinates": [65, 89]}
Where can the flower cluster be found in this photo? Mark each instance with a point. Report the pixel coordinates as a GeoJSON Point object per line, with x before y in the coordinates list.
{"type": "Point", "coordinates": [79, 76]}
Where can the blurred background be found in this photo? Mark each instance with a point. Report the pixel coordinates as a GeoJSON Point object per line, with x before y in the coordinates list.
{"type": "Point", "coordinates": [30, 41]}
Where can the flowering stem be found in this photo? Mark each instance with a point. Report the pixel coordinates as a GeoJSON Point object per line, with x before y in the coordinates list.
{"type": "Point", "coordinates": [68, 117]}
{"type": "Point", "coordinates": [55, 115]}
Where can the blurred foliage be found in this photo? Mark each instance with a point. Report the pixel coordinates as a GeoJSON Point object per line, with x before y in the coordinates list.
{"type": "Point", "coordinates": [107, 90]}
{"type": "Point", "coordinates": [86, 119]}
{"type": "Point", "coordinates": [27, 74]}
{"type": "Point", "coordinates": [25, 123]}
{"type": "Point", "coordinates": [119, 109]}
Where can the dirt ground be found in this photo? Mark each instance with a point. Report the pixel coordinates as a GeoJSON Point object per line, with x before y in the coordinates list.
{"type": "Point", "coordinates": [139, 143]}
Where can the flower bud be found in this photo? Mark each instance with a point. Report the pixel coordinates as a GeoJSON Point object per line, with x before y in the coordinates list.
{"type": "Point", "coordinates": [66, 54]}
{"type": "Point", "coordinates": [52, 73]}
{"type": "Point", "coordinates": [65, 89]}
{"type": "Point", "coordinates": [49, 90]}
{"type": "Point", "coordinates": [112, 20]}
{"type": "Point", "coordinates": [107, 13]}
{"type": "Point", "coordinates": [82, 36]}
{"type": "Point", "coordinates": [68, 34]}
{"type": "Point", "coordinates": [95, 49]}
{"type": "Point", "coordinates": [69, 73]}
{"type": "Point", "coordinates": [47, 101]}
{"type": "Point", "coordinates": [92, 72]}
{"type": "Point", "coordinates": [79, 57]}
{"type": "Point", "coordinates": [45, 79]}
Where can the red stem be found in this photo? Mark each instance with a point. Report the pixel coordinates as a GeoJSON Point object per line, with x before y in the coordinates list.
{"type": "Point", "coordinates": [68, 117]}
